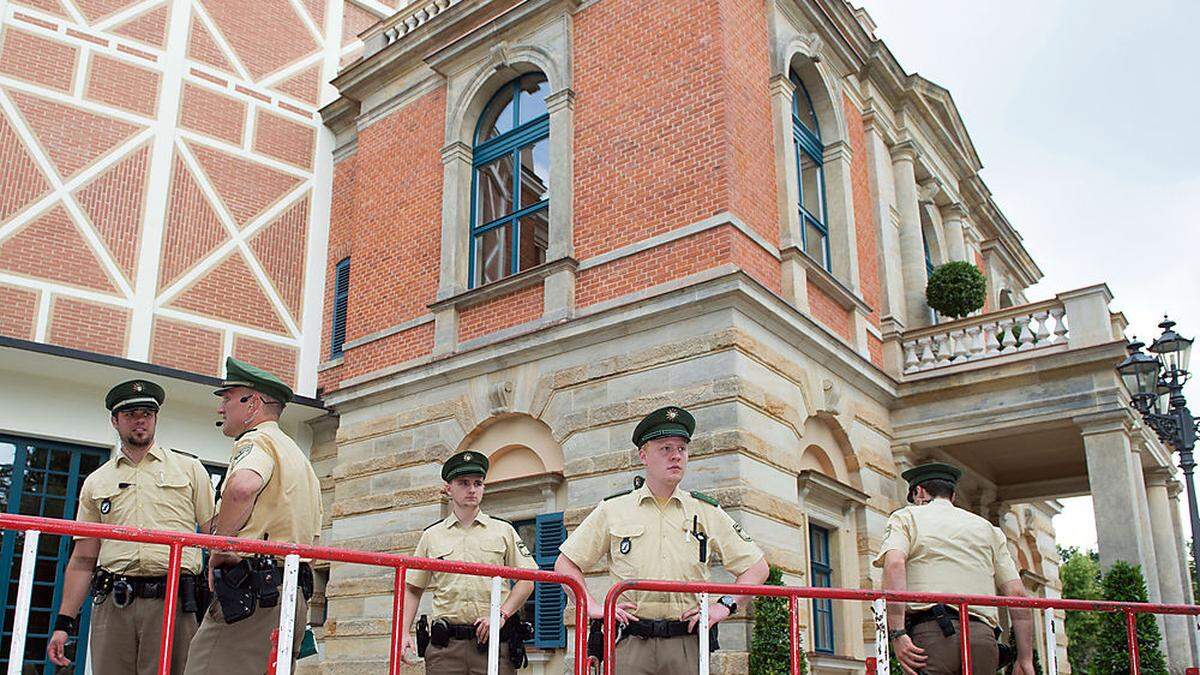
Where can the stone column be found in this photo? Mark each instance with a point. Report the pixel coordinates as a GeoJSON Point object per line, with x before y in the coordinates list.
{"type": "Point", "coordinates": [912, 248]}
{"type": "Point", "coordinates": [1171, 585]}
{"type": "Point", "coordinates": [794, 274]}
{"type": "Point", "coordinates": [558, 292]}
{"type": "Point", "coordinates": [952, 221]}
{"type": "Point", "coordinates": [839, 208]}
{"type": "Point", "coordinates": [1114, 480]}
{"type": "Point", "coordinates": [879, 164]}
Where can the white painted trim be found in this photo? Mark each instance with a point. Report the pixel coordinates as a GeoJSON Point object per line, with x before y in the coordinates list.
{"type": "Point", "coordinates": [84, 225]}
{"type": "Point", "coordinates": [67, 99]}
{"type": "Point", "coordinates": [292, 69]}
{"type": "Point", "coordinates": [161, 160]}
{"type": "Point", "coordinates": [222, 325]}
{"type": "Point", "coordinates": [375, 7]}
{"type": "Point", "coordinates": [248, 127]}
{"type": "Point", "coordinates": [81, 71]}
{"type": "Point", "coordinates": [69, 291]}
{"type": "Point", "coordinates": [109, 50]}
{"type": "Point", "coordinates": [43, 317]}
{"type": "Point", "coordinates": [307, 20]}
{"type": "Point", "coordinates": [127, 14]}
{"type": "Point", "coordinates": [228, 148]}
{"type": "Point", "coordinates": [76, 15]}
{"type": "Point", "coordinates": [226, 345]}
{"type": "Point", "coordinates": [233, 93]}
{"type": "Point", "coordinates": [29, 559]}
{"type": "Point", "coordinates": [219, 38]}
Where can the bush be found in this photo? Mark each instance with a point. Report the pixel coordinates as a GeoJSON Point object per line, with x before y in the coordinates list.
{"type": "Point", "coordinates": [769, 653]}
{"type": "Point", "coordinates": [1080, 576]}
{"type": "Point", "coordinates": [1124, 583]}
{"type": "Point", "coordinates": [956, 289]}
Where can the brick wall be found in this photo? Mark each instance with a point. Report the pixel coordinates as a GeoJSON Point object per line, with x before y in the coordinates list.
{"type": "Point", "coordinates": [499, 313]}
{"type": "Point", "coordinates": [79, 324]}
{"type": "Point", "coordinates": [825, 310]}
{"type": "Point", "coordinates": [864, 221]}
{"type": "Point", "coordinates": [18, 310]}
{"type": "Point", "coordinates": [271, 356]}
{"type": "Point", "coordinates": [187, 347]}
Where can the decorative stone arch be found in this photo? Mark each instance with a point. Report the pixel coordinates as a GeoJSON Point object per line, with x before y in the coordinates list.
{"type": "Point", "coordinates": [504, 64]}
{"type": "Point", "coordinates": [827, 447]}
{"type": "Point", "coordinates": [802, 56]}
{"type": "Point", "coordinates": [517, 446]}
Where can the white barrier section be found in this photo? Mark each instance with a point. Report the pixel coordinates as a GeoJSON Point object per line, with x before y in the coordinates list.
{"type": "Point", "coordinates": [882, 659]}
{"type": "Point", "coordinates": [702, 629]}
{"type": "Point", "coordinates": [494, 629]}
{"type": "Point", "coordinates": [287, 615]}
{"type": "Point", "coordinates": [1051, 641]}
{"type": "Point", "coordinates": [16, 651]}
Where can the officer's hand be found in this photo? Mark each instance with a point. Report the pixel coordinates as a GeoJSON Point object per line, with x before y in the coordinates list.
{"type": "Point", "coordinates": [624, 613]}
{"type": "Point", "coordinates": [223, 559]}
{"type": "Point", "coordinates": [408, 650]}
{"type": "Point", "coordinates": [55, 650]}
{"type": "Point", "coordinates": [482, 625]}
{"type": "Point", "coordinates": [211, 582]}
{"type": "Point", "coordinates": [716, 614]}
{"type": "Point", "coordinates": [1024, 667]}
{"type": "Point", "coordinates": [911, 657]}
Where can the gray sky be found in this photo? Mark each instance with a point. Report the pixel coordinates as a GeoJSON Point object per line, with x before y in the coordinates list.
{"type": "Point", "coordinates": [1083, 113]}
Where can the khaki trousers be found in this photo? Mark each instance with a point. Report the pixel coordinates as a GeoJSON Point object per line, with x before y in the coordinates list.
{"type": "Point", "coordinates": [242, 648]}
{"type": "Point", "coordinates": [945, 657]}
{"type": "Point", "coordinates": [462, 657]}
{"type": "Point", "coordinates": [658, 656]}
{"type": "Point", "coordinates": [126, 640]}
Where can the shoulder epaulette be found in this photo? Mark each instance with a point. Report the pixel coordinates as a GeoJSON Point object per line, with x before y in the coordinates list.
{"type": "Point", "coordinates": [503, 520]}
{"type": "Point", "coordinates": [185, 454]}
{"type": "Point", "coordinates": [432, 524]}
{"type": "Point", "coordinates": [622, 493]}
{"type": "Point", "coordinates": [705, 498]}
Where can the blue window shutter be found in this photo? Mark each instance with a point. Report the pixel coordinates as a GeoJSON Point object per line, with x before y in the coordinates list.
{"type": "Point", "coordinates": [550, 599]}
{"type": "Point", "coordinates": [341, 297]}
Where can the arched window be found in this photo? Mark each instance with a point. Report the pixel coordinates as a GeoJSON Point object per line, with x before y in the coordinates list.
{"type": "Point", "coordinates": [511, 185]}
{"type": "Point", "coordinates": [810, 153]}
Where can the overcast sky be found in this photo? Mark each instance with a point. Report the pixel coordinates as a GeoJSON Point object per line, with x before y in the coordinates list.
{"type": "Point", "coordinates": [1084, 115]}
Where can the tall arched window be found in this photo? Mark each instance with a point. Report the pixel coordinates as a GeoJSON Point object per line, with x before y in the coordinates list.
{"type": "Point", "coordinates": [810, 153]}
{"type": "Point", "coordinates": [511, 185]}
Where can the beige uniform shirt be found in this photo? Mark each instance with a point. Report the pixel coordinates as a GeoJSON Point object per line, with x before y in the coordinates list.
{"type": "Point", "coordinates": [462, 598]}
{"type": "Point", "coordinates": [288, 508]}
{"type": "Point", "coordinates": [646, 541]}
{"type": "Point", "coordinates": [949, 550]}
{"type": "Point", "coordinates": [167, 490]}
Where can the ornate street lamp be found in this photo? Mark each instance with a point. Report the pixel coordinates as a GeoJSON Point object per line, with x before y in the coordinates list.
{"type": "Point", "coordinates": [1156, 382]}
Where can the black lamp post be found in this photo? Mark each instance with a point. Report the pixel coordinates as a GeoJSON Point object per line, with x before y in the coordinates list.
{"type": "Point", "coordinates": [1156, 382]}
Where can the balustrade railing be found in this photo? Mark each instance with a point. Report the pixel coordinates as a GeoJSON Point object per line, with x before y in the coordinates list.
{"type": "Point", "coordinates": [1036, 326]}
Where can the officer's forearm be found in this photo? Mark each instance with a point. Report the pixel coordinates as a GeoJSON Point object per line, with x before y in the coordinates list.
{"type": "Point", "coordinates": [566, 566]}
{"type": "Point", "coordinates": [237, 501]}
{"type": "Point", "coordinates": [412, 602]}
{"type": "Point", "coordinates": [77, 581]}
{"type": "Point", "coordinates": [895, 579]}
{"type": "Point", "coordinates": [1022, 619]}
{"type": "Point", "coordinates": [753, 576]}
{"type": "Point", "coordinates": [517, 597]}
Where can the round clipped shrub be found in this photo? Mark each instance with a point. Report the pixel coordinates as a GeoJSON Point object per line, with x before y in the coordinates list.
{"type": "Point", "coordinates": [956, 289]}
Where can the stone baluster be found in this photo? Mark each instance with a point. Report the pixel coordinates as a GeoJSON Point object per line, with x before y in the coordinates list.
{"type": "Point", "coordinates": [975, 342]}
{"type": "Point", "coordinates": [991, 342]}
{"type": "Point", "coordinates": [1060, 324]}
{"type": "Point", "coordinates": [942, 341]}
{"type": "Point", "coordinates": [1043, 331]}
{"type": "Point", "coordinates": [924, 345]}
{"type": "Point", "coordinates": [1007, 341]}
{"type": "Point", "coordinates": [960, 341]}
{"type": "Point", "coordinates": [1024, 332]}
{"type": "Point", "coordinates": [910, 356]}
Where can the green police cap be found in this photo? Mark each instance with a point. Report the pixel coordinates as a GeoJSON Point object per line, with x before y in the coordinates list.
{"type": "Point", "coordinates": [669, 421]}
{"type": "Point", "coordinates": [134, 394]}
{"type": "Point", "coordinates": [242, 374]}
{"type": "Point", "coordinates": [932, 471]}
{"type": "Point", "coordinates": [465, 463]}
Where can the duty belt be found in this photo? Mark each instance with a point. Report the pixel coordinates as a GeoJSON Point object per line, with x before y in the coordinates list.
{"type": "Point", "coordinates": [658, 628]}
{"type": "Point", "coordinates": [466, 631]}
{"type": "Point", "coordinates": [125, 589]}
{"type": "Point", "coordinates": [942, 615]}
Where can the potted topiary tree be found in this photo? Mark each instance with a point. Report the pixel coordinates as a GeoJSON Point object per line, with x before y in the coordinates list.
{"type": "Point", "coordinates": [769, 645]}
{"type": "Point", "coordinates": [1125, 583]}
{"type": "Point", "coordinates": [956, 289]}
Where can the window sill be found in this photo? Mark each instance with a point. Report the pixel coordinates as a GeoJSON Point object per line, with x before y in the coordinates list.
{"type": "Point", "coordinates": [332, 363]}
{"type": "Point", "coordinates": [834, 663]}
{"type": "Point", "coordinates": [530, 277]}
{"type": "Point", "coordinates": [825, 280]}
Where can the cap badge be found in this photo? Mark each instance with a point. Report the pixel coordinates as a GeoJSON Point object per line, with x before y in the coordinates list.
{"type": "Point", "coordinates": [672, 414]}
{"type": "Point", "coordinates": [137, 386]}
{"type": "Point", "coordinates": [467, 457]}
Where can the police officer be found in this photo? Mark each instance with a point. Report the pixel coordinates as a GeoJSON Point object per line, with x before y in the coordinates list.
{"type": "Point", "coordinates": [936, 547]}
{"type": "Point", "coordinates": [658, 531]}
{"type": "Point", "coordinates": [462, 603]}
{"type": "Point", "coordinates": [272, 493]}
{"type": "Point", "coordinates": [143, 485]}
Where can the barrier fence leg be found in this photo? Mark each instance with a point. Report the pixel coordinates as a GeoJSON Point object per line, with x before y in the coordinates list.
{"type": "Point", "coordinates": [964, 626]}
{"type": "Point", "coordinates": [494, 629]}
{"type": "Point", "coordinates": [582, 661]}
{"type": "Point", "coordinates": [287, 615]}
{"type": "Point", "coordinates": [702, 629]}
{"type": "Point", "coordinates": [882, 658]}
{"type": "Point", "coordinates": [170, 608]}
{"type": "Point", "coordinates": [1051, 659]}
{"type": "Point", "coordinates": [794, 635]}
{"type": "Point", "coordinates": [1135, 660]}
{"type": "Point", "coordinates": [395, 655]}
{"type": "Point", "coordinates": [16, 650]}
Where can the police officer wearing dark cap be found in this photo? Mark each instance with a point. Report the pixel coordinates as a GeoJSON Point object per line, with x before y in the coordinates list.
{"type": "Point", "coordinates": [935, 547]}
{"type": "Point", "coordinates": [462, 603]}
{"type": "Point", "coordinates": [271, 492]}
{"type": "Point", "coordinates": [659, 531]}
{"type": "Point", "coordinates": [143, 485]}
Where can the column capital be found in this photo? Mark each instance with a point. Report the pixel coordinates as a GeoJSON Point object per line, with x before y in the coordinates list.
{"type": "Point", "coordinates": [1159, 476]}
{"type": "Point", "coordinates": [928, 189]}
{"type": "Point", "coordinates": [955, 211]}
{"type": "Point", "coordinates": [563, 98]}
{"type": "Point", "coordinates": [781, 85]}
{"type": "Point", "coordinates": [456, 151]}
{"type": "Point", "coordinates": [905, 151]}
{"type": "Point", "coordinates": [1105, 422]}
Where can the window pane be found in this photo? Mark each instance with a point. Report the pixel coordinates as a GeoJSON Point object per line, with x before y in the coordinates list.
{"type": "Point", "coordinates": [810, 184]}
{"type": "Point", "coordinates": [802, 106]}
{"type": "Point", "coordinates": [814, 241]}
{"type": "Point", "coordinates": [535, 239]}
{"type": "Point", "coordinates": [535, 172]}
{"type": "Point", "coordinates": [533, 97]}
{"type": "Point", "coordinates": [498, 117]}
{"type": "Point", "coordinates": [493, 190]}
{"type": "Point", "coordinates": [492, 257]}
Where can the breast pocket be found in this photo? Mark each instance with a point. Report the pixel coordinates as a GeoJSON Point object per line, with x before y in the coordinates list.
{"type": "Point", "coordinates": [626, 545]}
{"type": "Point", "coordinates": [442, 552]}
{"type": "Point", "coordinates": [494, 551]}
{"type": "Point", "coordinates": [106, 500]}
{"type": "Point", "coordinates": [175, 507]}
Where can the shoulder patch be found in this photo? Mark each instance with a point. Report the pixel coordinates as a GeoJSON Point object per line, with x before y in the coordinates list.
{"type": "Point", "coordinates": [705, 498]}
{"type": "Point", "coordinates": [622, 493]}
{"type": "Point", "coordinates": [185, 454]}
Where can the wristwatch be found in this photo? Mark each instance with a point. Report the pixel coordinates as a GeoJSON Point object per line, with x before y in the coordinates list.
{"type": "Point", "coordinates": [727, 600]}
{"type": "Point", "coordinates": [893, 634]}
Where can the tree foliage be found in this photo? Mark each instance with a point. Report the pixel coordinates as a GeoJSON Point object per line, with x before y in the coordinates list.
{"type": "Point", "coordinates": [769, 645]}
{"type": "Point", "coordinates": [1125, 583]}
{"type": "Point", "coordinates": [956, 289]}
{"type": "Point", "coordinates": [1080, 576]}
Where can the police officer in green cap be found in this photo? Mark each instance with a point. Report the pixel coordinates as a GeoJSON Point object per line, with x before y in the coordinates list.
{"type": "Point", "coordinates": [659, 531]}
{"type": "Point", "coordinates": [143, 485]}
{"type": "Point", "coordinates": [462, 603]}
{"type": "Point", "coordinates": [271, 492]}
{"type": "Point", "coordinates": [935, 547]}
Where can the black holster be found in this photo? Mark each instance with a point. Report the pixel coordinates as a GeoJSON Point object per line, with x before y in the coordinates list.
{"type": "Point", "coordinates": [102, 583]}
{"type": "Point", "coordinates": [439, 633]}
{"type": "Point", "coordinates": [517, 632]}
{"type": "Point", "coordinates": [422, 635]}
{"type": "Point", "coordinates": [188, 602]}
{"type": "Point", "coordinates": [1008, 656]}
{"type": "Point", "coordinates": [234, 589]}
{"type": "Point", "coordinates": [595, 644]}
{"type": "Point", "coordinates": [266, 579]}
{"type": "Point", "coordinates": [714, 637]}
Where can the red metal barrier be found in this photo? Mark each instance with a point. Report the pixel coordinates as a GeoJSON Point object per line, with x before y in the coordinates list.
{"type": "Point", "coordinates": [400, 563]}
{"type": "Point", "coordinates": [793, 593]}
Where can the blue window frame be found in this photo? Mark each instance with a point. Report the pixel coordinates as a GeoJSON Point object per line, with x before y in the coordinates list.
{"type": "Point", "coordinates": [510, 184]}
{"type": "Point", "coordinates": [929, 267]}
{"type": "Point", "coordinates": [543, 535]}
{"type": "Point", "coordinates": [810, 171]}
{"type": "Point", "coordinates": [41, 478]}
{"type": "Point", "coordinates": [821, 571]}
{"type": "Point", "coordinates": [341, 301]}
